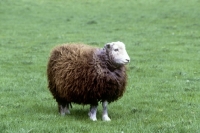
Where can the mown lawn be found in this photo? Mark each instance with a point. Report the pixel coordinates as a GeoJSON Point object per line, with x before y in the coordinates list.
{"type": "Point", "coordinates": [162, 38]}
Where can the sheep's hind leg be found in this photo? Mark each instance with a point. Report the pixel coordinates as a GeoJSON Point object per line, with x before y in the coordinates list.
{"type": "Point", "coordinates": [64, 109]}
{"type": "Point", "coordinates": [105, 112]}
{"type": "Point", "coordinates": [92, 113]}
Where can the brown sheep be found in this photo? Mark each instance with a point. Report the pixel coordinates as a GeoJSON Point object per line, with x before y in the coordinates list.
{"type": "Point", "coordinates": [78, 73]}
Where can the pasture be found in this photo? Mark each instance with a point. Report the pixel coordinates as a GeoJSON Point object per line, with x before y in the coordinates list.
{"type": "Point", "coordinates": [162, 38]}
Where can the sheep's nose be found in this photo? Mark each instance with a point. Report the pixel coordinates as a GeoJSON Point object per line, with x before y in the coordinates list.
{"type": "Point", "coordinates": [128, 60]}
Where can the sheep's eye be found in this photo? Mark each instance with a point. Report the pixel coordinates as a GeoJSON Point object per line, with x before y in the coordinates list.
{"type": "Point", "coordinates": [116, 49]}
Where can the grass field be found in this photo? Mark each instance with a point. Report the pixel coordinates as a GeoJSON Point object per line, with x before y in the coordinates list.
{"type": "Point", "coordinates": [162, 38]}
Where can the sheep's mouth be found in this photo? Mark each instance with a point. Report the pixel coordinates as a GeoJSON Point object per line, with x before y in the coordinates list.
{"type": "Point", "coordinates": [119, 64]}
{"type": "Point", "coordinates": [125, 62]}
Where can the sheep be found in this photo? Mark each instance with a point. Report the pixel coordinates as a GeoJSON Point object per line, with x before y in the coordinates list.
{"type": "Point", "coordinates": [82, 74]}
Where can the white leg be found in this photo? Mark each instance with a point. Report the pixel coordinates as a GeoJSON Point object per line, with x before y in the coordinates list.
{"type": "Point", "coordinates": [64, 110]}
{"type": "Point", "coordinates": [92, 113]}
{"type": "Point", "coordinates": [105, 112]}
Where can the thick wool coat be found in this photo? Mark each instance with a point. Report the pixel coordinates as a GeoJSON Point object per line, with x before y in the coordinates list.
{"type": "Point", "coordinates": [83, 74]}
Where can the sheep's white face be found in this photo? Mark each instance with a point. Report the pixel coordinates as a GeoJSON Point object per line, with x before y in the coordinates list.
{"type": "Point", "coordinates": [117, 52]}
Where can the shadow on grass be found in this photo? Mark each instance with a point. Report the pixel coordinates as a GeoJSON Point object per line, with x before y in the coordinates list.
{"type": "Point", "coordinates": [78, 112]}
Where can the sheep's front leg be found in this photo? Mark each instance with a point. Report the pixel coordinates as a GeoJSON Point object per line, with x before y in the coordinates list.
{"type": "Point", "coordinates": [92, 113]}
{"type": "Point", "coordinates": [105, 112]}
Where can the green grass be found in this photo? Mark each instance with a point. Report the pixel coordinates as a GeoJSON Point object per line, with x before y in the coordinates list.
{"type": "Point", "coordinates": [162, 38]}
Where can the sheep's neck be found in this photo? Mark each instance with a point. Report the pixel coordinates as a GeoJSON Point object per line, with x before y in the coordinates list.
{"type": "Point", "coordinates": [105, 62]}
{"type": "Point", "coordinates": [112, 67]}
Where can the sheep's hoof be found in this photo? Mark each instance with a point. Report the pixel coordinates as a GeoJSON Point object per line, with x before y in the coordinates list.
{"type": "Point", "coordinates": [62, 114]}
{"type": "Point", "coordinates": [64, 110]}
{"type": "Point", "coordinates": [105, 118]}
{"type": "Point", "coordinates": [92, 117]}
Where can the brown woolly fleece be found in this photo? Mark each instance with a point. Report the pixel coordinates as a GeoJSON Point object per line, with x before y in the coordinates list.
{"type": "Point", "coordinates": [83, 74]}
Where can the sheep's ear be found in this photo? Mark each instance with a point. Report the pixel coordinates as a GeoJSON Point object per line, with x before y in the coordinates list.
{"type": "Point", "coordinates": [107, 45]}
